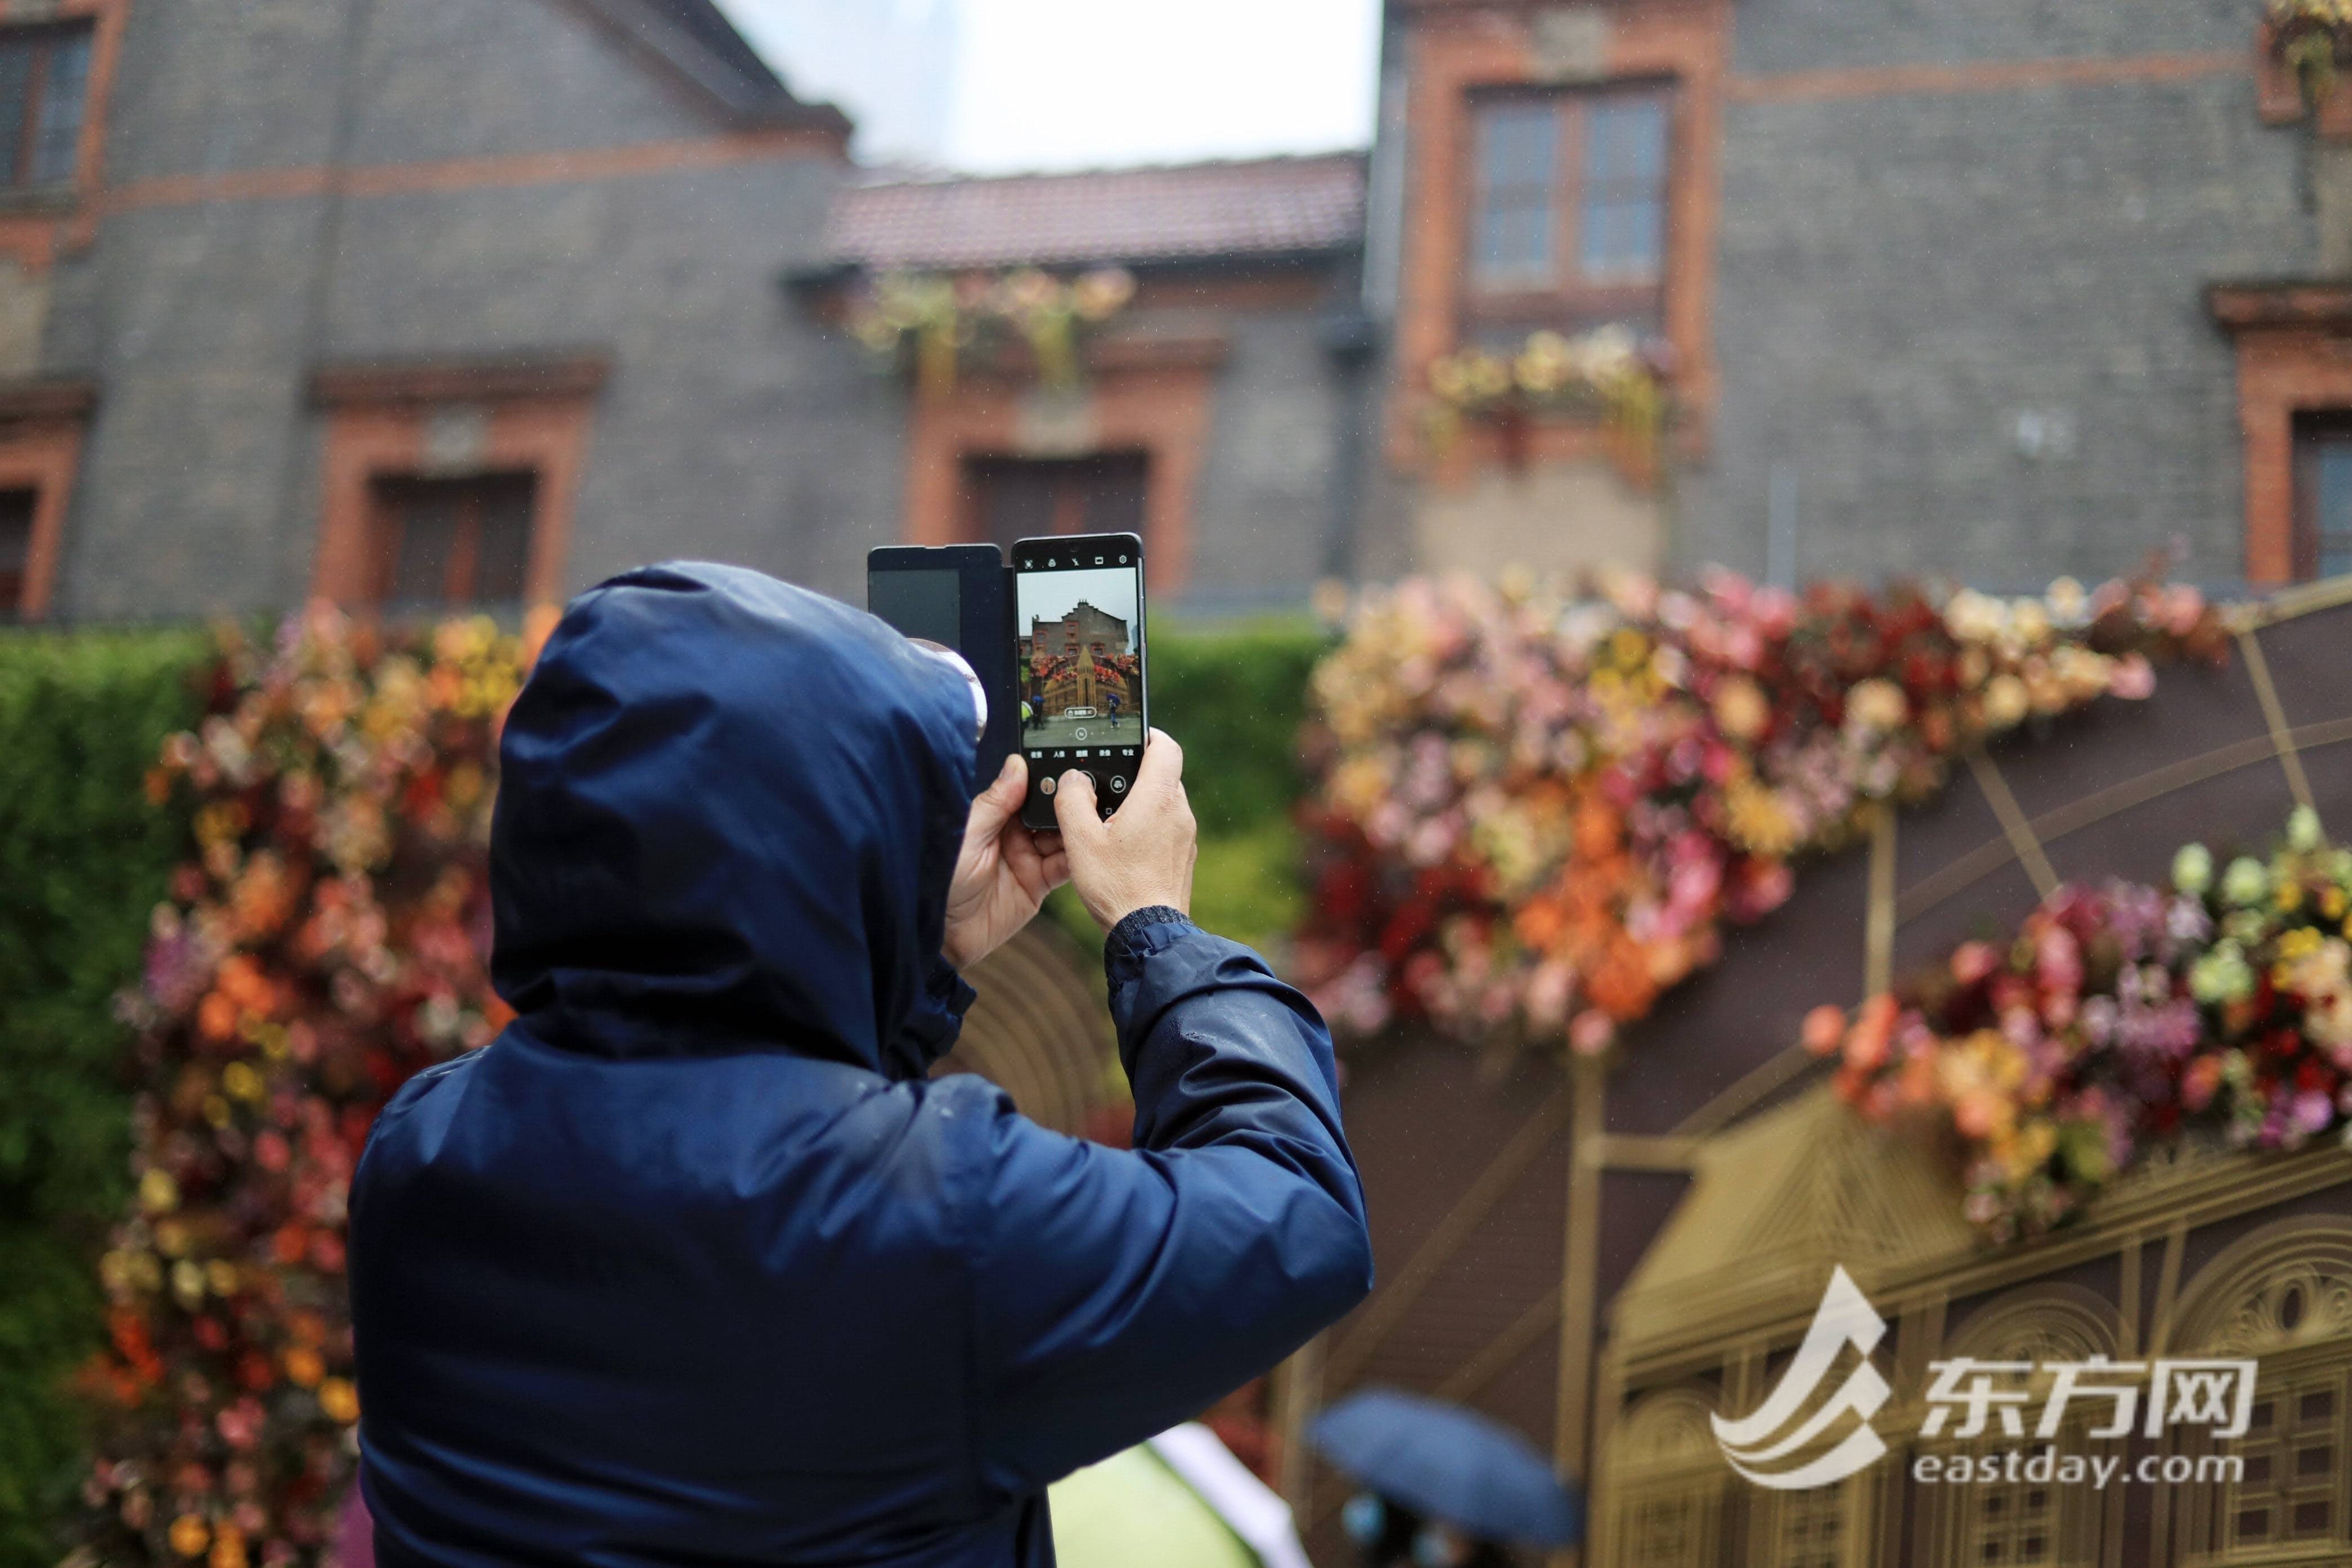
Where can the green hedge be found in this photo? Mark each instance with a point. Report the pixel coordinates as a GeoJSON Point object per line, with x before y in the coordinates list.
{"type": "Point", "coordinates": [1234, 697]}
{"type": "Point", "coordinates": [83, 857]}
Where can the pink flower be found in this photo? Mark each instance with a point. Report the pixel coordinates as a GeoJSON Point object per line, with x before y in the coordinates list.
{"type": "Point", "coordinates": [2134, 679]}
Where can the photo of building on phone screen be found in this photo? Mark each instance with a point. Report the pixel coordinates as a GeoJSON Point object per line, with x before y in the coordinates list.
{"type": "Point", "coordinates": [1080, 671]}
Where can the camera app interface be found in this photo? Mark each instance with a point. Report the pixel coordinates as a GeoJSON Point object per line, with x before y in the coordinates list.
{"type": "Point", "coordinates": [1080, 656]}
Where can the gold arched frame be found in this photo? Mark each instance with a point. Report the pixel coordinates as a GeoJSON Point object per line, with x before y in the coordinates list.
{"type": "Point", "coordinates": [2280, 1296]}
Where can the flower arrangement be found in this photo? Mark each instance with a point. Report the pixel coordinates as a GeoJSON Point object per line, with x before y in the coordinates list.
{"type": "Point", "coordinates": [1533, 812]}
{"type": "Point", "coordinates": [1603, 373]}
{"type": "Point", "coordinates": [2120, 1020]}
{"type": "Point", "coordinates": [927, 322]}
{"type": "Point", "coordinates": [2310, 36]}
{"type": "Point", "coordinates": [326, 939]}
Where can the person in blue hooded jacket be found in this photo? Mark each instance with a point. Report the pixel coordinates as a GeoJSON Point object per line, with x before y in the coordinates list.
{"type": "Point", "coordinates": [695, 1264]}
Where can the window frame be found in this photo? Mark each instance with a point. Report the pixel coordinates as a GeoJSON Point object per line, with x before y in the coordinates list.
{"type": "Point", "coordinates": [42, 40]}
{"type": "Point", "coordinates": [391, 497]}
{"type": "Point", "coordinates": [1070, 484]}
{"type": "Point", "coordinates": [1571, 299]}
{"type": "Point", "coordinates": [2311, 432]}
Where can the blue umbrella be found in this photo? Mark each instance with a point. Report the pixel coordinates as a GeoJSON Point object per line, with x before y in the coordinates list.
{"type": "Point", "coordinates": [1451, 1464]}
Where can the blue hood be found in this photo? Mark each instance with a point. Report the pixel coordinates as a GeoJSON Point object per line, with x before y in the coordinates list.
{"type": "Point", "coordinates": [721, 800]}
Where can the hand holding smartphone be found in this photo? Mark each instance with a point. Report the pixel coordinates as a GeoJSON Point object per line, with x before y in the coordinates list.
{"type": "Point", "coordinates": [1079, 665]}
{"type": "Point", "coordinates": [1056, 640]}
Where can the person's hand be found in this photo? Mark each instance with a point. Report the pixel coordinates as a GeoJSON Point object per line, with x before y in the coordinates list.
{"type": "Point", "coordinates": [1003, 872]}
{"type": "Point", "coordinates": [1143, 855]}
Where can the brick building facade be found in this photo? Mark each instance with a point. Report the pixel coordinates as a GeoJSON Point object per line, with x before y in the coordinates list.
{"type": "Point", "coordinates": [420, 301]}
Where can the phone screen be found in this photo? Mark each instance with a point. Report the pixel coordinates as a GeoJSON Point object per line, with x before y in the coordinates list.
{"type": "Point", "coordinates": [921, 603]}
{"type": "Point", "coordinates": [1078, 649]}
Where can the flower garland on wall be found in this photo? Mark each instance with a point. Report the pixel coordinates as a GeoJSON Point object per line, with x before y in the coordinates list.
{"type": "Point", "coordinates": [1533, 813]}
{"type": "Point", "coordinates": [927, 324]}
{"type": "Point", "coordinates": [1603, 373]}
{"type": "Point", "coordinates": [328, 939]}
{"type": "Point", "coordinates": [2310, 37]}
{"type": "Point", "coordinates": [2121, 1019]}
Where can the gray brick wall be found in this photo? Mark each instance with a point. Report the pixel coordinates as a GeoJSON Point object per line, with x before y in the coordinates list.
{"type": "Point", "coordinates": [1903, 278]}
{"type": "Point", "coordinates": [1266, 498]}
{"type": "Point", "coordinates": [734, 424]}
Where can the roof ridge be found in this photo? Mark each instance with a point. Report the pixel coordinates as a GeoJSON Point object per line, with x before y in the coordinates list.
{"type": "Point", "coordinates": [698, 41]}
{"type": "Point", "coordinates": [888, 179]}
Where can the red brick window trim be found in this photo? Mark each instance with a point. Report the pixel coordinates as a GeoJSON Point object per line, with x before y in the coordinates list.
{"type": "Point", "coordinates": [41, 429]}
{"type": "Point", "coordinates": [1569, 206]}
{"type": "Point", "coordinates": [1464, 63]}
{"type": "Point", "coordinates": [450, 484]}
{"type": "Point", "coordinates": [2294, 396]}
{"type": "Point", "coordinates": [1134, 436]}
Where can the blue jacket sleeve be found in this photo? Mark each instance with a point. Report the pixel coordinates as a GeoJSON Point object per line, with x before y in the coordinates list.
{"type": "Point", "coordinates": [1118, 1292]}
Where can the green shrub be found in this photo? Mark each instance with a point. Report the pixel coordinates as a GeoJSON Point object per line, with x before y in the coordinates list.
{"type": "Point", "coordinates": [1235, 698]}
{"type": "Point", "coordinates": [83, 857]}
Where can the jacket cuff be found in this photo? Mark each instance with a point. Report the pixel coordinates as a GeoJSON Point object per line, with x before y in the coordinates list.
{"type": "Point", "coordinates": [937, 1014]}
{"type": "Point", "coordinates": [1140, 934]}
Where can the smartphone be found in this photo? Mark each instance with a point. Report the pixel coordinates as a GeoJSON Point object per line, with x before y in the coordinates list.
{"type": "Point", "coordinates": [1077, 645]}
{"type": "Point", "coordinates": [960, 596]}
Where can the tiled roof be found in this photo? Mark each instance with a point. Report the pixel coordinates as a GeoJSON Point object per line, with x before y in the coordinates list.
{"type": "Point", "coordinates": [1263, 207]}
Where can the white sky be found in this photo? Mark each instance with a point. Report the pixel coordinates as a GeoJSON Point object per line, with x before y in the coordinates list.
{"type": "Point", "coordinates": [1045, 84]}
{"type": "Point", "coordinates": [1051, 595]}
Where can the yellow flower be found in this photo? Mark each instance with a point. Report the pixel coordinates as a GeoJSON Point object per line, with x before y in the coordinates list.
{"type": "Point", "coordinates": [220, 1278]}
{"type": "Point", "coordinates": [339, 1400]}
{"type": "Point", "coordinates": [241, 1081]}
{"type": "Point", "coordinates": [158, 1193]}
{"type": "Point", "coordinates": [1877, 704]}
{"type": "Point", "coordinates": [188, 1283]}
{"type": "Point", "coordinates": [1742, 709]}
{"type": "Point", "coordinates": [190, 1535]}
{"type": "Point", "coordinates": [2006, 702]}
{"type": "Point", "coordinates": [229, 1549]}
{"type": "Point", "coordinates": [1757, 819]}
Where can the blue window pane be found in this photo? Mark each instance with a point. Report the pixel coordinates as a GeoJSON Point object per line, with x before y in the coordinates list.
{"type": "Point", "coordinates": [16, 85]}
{"type": "Point", "coordinates": [1621, 239]}
{"type": "Point", "coordinates": [2333, 509]}
{"type": "Point", "coordinates": [1621, 221]}
{"type": "Point", "coordinates": [1514, 244]}
{"type": "Point", "coordinates": [57, 142]}
{"type": "Point", "coordinates": [1517, 146]}
{"type": "Point", "coordinates": [1625, 143]}
{"type": "Point", "coordinates": [1518, 151]}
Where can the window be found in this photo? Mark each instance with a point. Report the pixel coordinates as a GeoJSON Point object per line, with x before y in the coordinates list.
{"type": "Point", "coordinates": [1024, 498]}
{"type": "Point", "coordinates": [1810, 1530]}
{"type": "Point", "coordinates": [44, 76]}
{"type": "Point", "coordinates": [15, 548]}
{"type": "Point", "coordinates": [438, 543]}
{"type": "Point", "coordinates": [1569, 218]}
{"type": "Point", "coordinates": [2292, 1492]}
{"type": "Point", "coordinates": [2323, 533]}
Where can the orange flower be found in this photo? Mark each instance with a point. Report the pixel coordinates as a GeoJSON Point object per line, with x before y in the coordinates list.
{"type": "Point", "coordinates": [1539, 922]}
{"type": "Point", "coordinates": [216, 1018]}
{"type": "Point", "coordinates": [1598, 831]}
{"type": "Point", "coordinates": [190, 1535]}
{"type": "Point", "coordinates": [228, 1549]}
{"type": "Point", "coordinates": [1621, 985]}
{"type": "Point", "coordinates": [305, 1367]}
{"type": "Point", "coordinates": [339, 1400]}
